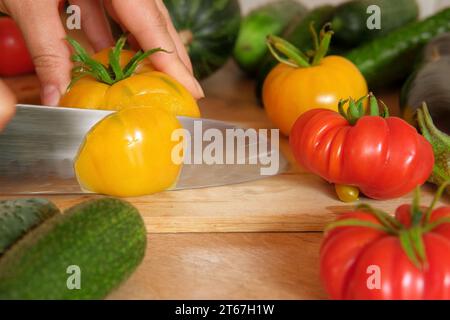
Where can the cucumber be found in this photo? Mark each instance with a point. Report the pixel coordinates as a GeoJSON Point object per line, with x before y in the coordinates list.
{"type": "Point", "coordinates": [105, 238]}
{"type": "Point", "coordinates": [350, 19]}
{"type": "Point", "coordinates": [298, 33]}
{"type": "Point", "coordinates": [17, 217]}
{"type": "Point", "coordinates": [269, 19]}
{"type": "Point", "coordinates": [386, 60]}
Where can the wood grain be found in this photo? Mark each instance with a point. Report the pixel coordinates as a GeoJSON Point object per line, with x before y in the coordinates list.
{"type": "Point", "coordinates": [227, 266]}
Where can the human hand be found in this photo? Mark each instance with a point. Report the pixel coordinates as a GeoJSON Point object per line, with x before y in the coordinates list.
{"type": "Point", "coordinates": [147, 20]}
{"type": "Point", "coordinates": [7, 105]}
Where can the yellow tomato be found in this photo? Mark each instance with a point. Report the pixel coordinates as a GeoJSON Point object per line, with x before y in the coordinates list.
{"type": "Point", "coordinates": [290, 90]}
{"type": "Point", "coordinates": [347, 193]}
{"type": "Point", "coordinates": [129, 153]}
{"type": "Point", "coordinates": [144, 87]}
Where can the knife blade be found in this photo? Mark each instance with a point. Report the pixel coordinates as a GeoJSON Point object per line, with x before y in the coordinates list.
{"type": "Point", "coordinates": [38, 148]}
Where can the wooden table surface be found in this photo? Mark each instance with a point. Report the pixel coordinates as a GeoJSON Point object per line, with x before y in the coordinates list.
{"type": "Point", "coordinates": [257, 240]}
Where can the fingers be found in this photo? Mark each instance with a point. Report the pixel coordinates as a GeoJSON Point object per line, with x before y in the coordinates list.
{"type": "Point", "coordinates": [181, 49]}
{"type": "Point", "coordinates": [45, 36]}
{"type": "Point", "coordinates": [148, 24]}
{"type": "Point", "coordinates": [7, 105]}
{"type": "Point", "coordinates": [94, 23]}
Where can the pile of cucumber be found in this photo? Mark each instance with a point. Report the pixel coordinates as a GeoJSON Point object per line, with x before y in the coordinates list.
{"type": "Point", "coordinates": [384, 56]}
{"type": "Point", "coordinates": [83, 253]}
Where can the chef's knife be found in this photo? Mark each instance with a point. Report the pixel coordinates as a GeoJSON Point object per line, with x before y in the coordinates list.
{"type": "Point", "coordinates": [39, 145]}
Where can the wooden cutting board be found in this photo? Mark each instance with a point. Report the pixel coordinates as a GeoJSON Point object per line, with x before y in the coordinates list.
{"type": "Point", "coordinates": [292, 201]}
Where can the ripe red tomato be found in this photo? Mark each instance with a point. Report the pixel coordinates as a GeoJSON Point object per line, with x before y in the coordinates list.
{"type": "Point", "coordinates": [393, 258]}
{"type": "Point", "coordinates": [384, 157]}
{"type": "Point", "coordinates": [14, 56]}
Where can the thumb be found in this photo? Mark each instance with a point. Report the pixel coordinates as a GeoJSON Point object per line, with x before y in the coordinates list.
{"type": "Point", "coordinates": [45, 36]}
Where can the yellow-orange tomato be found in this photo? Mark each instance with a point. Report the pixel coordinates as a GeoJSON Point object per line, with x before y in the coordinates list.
{"type": "Point", "coordinates": [129, 153]}
{"type": "Point", "coordinates": [145, 87]}
{"type": "Point", "coordinates": [290, 91]}
{"type": "Point", "coordinates": [347, 193]}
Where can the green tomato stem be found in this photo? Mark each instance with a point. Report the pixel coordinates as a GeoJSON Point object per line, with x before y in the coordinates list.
{"type": "Point", "coordinates": [113, 73]}
{"type": "Point", "coordinates": [295, 58]}
{"type": "Point", "coordinates": [324, 46]}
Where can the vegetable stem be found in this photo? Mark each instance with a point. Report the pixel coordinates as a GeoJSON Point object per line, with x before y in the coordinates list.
{"type": "Point", "coordinates": [324, 45]}
{"type": "Point", "coordinates": [295, 58]}
{"type": "Point", "coordinates": [110, 74]}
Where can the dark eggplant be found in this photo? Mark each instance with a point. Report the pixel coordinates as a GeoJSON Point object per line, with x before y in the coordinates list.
{"type": "Point", "coordinates": [430, 83]}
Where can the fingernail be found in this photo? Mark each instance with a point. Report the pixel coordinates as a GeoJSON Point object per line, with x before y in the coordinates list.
{"type": "Point", "coordinates": [199, 89]}
{"type": "Point", "coordinates": [50, 95]}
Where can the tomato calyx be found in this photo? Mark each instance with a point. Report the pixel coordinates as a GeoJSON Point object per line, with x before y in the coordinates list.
{"type": "Point", "coordinates": [410, 234]}
{"type": "Point", "coordinates": [87, 66]}
{"type": "Point", "coordinates": [356, 108]}
{"type": "Point", "coordinates": [441, 146]}
{"type": "Point", "coordinates": [285, 52]}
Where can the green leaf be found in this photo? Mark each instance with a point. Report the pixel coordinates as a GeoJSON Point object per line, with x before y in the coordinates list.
{"type": "Point", "coordinates": [416, 212]}
{"type": "Point", "coordinates": [130, 68]}
{"type": "Point", "coordinates": [436, 199]}
{"type": "Point", "coordinates": [114, 58]}
{"type": "Point", "coordinates": [295, 57]}
{"type": "Point", "coordinates": [430, 226]}
{"type": "Point", "coordinates": [408, 248]}
{"type": "Point", "coordinates": [416, 235]}
{"type": "Point", "coordinates": [374, 108]}
{"type": "Point", "coordinates": [355, 223]}
{"type": "Point", "coordinates": [324, 45]}
{"type": "Point", "coordinates": [385, 219]}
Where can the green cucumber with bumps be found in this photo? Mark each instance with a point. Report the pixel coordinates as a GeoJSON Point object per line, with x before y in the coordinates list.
{"type": "Point", "coordinates": [104, 239]}
{"type": "Point", "coordinates": [17, 217]}
{"type": "Point", "coordinates": [350, 19]}
{"type": "Point", "coordinates": [390, 59]}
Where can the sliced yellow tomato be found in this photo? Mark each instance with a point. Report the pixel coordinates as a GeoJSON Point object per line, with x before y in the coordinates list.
{"type": "Point", "coordinates": [129, 153]}
{"type": "Point", "coordinates": [142, 87]}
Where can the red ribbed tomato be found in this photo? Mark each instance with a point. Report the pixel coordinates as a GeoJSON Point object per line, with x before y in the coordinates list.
{"type": "Point", "coordinates": [383, 156]}
{"type": "Point", "coordinates": [367, 254]}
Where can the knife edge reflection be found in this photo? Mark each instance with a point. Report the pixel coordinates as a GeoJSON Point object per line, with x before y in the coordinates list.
{"type": "Point", "coordinates": [38, 147]}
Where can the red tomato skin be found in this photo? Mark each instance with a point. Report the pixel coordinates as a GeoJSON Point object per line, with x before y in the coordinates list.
{"type": "Point", "coordinates": [385, 158]}
{"type": "Point", "coordinates": [339, 251]}
{"type": "Point", "coordinates": [400, 279]}
{"type": "Point", "coordinates": [437, 273]}
{"type": "Point", "coordinates": [14, 56]}
{"type": "Point", "coordinates": [347, 252]}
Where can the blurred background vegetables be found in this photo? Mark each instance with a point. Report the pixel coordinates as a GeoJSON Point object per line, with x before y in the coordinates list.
{"type": "Point", "coordinates": [430, 83]}
{"type": "Point", "coordinates": [15, 59]}
{"type": "Point", "coordinates": [270, 19]}
{"type": "Point", "coordinates": [390, 59]}
{"type": "Point", "coordinates": [209, 29]}
{"type": "Point", "coordinates": [441, 147]}
{"type": "Point", "coordinates": [350, 19]}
